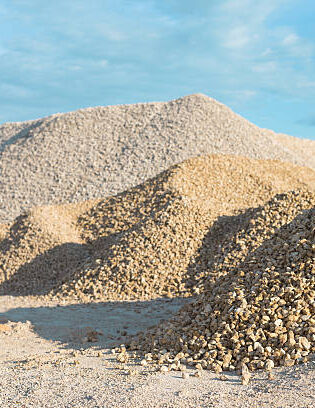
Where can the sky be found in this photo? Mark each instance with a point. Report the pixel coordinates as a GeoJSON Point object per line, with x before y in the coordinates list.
{"type": "Point", "coordinates": [255, 56]}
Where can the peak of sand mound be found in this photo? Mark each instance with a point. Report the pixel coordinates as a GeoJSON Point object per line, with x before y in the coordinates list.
{"type": "Point", "coordinates": [146, 242]}
{"type": "Point", "coordinates": [97, 152]}
{"type": "Point", "coordinates": [258, 304]}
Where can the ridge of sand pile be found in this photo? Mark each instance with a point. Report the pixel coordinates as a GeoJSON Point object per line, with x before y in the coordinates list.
{"type": "Point", "coordinates": [146, 242]}
{"type": "Point", "coordinates": [259, 309]}
{"type": "Point", "coordinates": [97, 152]}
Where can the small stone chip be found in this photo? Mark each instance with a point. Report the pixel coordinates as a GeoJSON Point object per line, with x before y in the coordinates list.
{"type": "Point", "coordinates": [245, 374]}
{"type": "Point", "coordinates": [269, 365]}
{"type": "Point", "coordinates": [217, 369]}
{"type": "Point", "coordinates": [303, 342]}
{"type": "Point", "coordinates": [245, 380]}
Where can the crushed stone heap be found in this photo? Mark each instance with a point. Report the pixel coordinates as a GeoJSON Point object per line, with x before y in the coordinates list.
{"type": "Point", "coordinates": [153, 240]}
{"type": "Point", "coordinates": [258, 306]}
{"type": "Point", "coordinates": [38, 247]}
{"type": "Point", "coordinates": [98, 152]}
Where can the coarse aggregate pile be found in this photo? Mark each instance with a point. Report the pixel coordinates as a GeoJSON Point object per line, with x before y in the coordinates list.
{"type": "Point", "coordinates": [152, 240]}
{"type": "Point", "coordinates": [258, 306]}
{"type": "Point", "coordinates": [38, 246]}
{"type": "Point", "coordinates": [97, 152]}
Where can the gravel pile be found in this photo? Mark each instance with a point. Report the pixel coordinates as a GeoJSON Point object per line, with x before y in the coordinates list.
{"type": "Point", "coordinates": [38, 247]}
{"type": "Point", "coordinates": [257, 309]}
{"type": "Point", "coordinates": [150, 241]}
{"type": "Point", "coordinates": [97, 152]}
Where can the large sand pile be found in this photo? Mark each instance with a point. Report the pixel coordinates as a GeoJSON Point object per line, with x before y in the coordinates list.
{"type": "Point", "coordinates": [152, 240]}
{"type": "Point", "coordinates": [258, 304]}
{"type": "Point", "coordinates": [96, 152]}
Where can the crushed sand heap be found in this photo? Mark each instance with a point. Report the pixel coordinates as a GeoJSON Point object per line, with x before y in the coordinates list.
{"type": "Point", "coordinates": [150, 241]}
{"type": "Point", "coordinates": [97, 152]}
{"type": "Point", "coordinates": [258, 305]}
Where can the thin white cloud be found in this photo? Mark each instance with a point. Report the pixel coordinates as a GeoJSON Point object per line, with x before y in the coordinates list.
{"type": "Point", "coordinates": [241, 95]}
{"type": "Point", "coordinates": [75, 68]}
{"type": "Point", "coordinates": [253, 13]}
{"type": "Point", "coordinates": [267, 52]}
{"type": "Point", "coordinates": [304, 83]}
{"type": "Point", "coordinates": [297, 46]}
{"type": "Point", "coordinates": [262, 54]}
{"type": "Point", "coordinates": [237, 37]}
{"type": "Point", "coordinates": [241, 25]}
{"type": "Point", "coordinates": [290, 39]}
{"type": "Point", "coordinates": [111, 33]}
{"type": "Point", "coordinates": [103, 63]}
{"type": "Point", "coordinates": [265, 67]}
{"type": "Point", "coordinates": [250, 12]}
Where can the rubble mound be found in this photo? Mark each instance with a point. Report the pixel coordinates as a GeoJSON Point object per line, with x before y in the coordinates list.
{"type": "Point", "coordinates": [257, 307]}
{"type": "Point", "coordinates": [156, 239]}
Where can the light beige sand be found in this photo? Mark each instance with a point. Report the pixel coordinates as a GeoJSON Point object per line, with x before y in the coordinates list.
{"type": "Point", "coordinates": [46, 363]}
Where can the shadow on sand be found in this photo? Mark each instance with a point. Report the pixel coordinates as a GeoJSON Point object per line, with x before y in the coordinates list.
{"type": "Point", "coordinates": [101, 324]}
{"type": "Point", "coordinates": [67, 262]}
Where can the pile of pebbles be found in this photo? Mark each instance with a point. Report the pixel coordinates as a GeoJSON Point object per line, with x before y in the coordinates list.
{"type": "Point", "coordinates": [257, 310]}
{"type": "Point", "coordinates": [154, 240]}
{"type": "Point", "coordinates": [38, 247]}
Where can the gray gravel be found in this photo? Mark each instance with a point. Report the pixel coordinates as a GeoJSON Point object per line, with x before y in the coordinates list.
{"type": "Point", "coordinates": [100, 151]}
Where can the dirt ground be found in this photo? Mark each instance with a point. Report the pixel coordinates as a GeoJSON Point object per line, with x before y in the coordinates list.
{"type": "Point", "coordinates": [59, 355]}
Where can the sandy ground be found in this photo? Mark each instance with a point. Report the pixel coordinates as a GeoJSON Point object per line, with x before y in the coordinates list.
{"type": "Point", "coordinates": [59, 355]}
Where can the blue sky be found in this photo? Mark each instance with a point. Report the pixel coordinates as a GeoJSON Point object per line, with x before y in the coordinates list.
{"type": "Point", "coordinates": [256, 56]}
